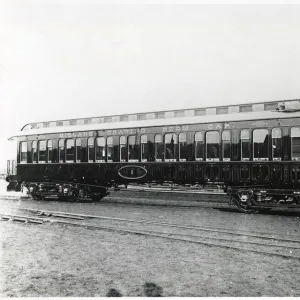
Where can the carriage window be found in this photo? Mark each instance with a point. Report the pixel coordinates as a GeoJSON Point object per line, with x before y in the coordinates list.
{"type": "Point", "coordinates": [170, 146]}
{"type": "Point", "coordinates": [34, 153]}
{"type": "Point", "coordinates": [226, 145]}
{"type": "Point", "coordinates": [23, 152]}
{"type": "Point", "coordinates": [49, 151]}
{"type": "Point", "coordinates": [110, 149]}
{"type": "Point", "coordinates": [295, 137]}
{"type": "Point", "coordinates": [100, 149]}
{"type": "Point", "coordinates": [276, 143]}
{"type": "Point", "coordinates": [123, 149]}
{"type": "Point", "coordinates": [212, 145]}
{"type": "Point", "coordinates": [182, 146]}
{"type": "Point", "coordinates": [42, 151]}
{"type": "Point", "coordinates": [245, 144]}
{"type": "Point", "coordinates": [91, 150]}
{"type": "Point", "coordinates": [260, 144]}
{"type": "Point", "coordinates": [159, 148]}
{"type": "Point", "coordinates": [70, 151]}
{"type": "Point", "coordinates": [185, 148]}
{"type": "Point", "coordinates": [147, 148]}
{"type": "Point", "coordinates": [61, 152]}
{"type": "Point", "coordinates": [199, 146]}
{"type": "Point", "coordinates": [78, 150]}
{"type": "Point", "coordinates": [133, 149]}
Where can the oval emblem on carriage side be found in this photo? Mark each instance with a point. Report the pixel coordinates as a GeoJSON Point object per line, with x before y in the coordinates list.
{"type": "Point", "coordinates": [132, 172]}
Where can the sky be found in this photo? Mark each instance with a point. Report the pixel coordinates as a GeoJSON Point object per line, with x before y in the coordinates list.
{"type": "Point", "coordinates": [64, 59]}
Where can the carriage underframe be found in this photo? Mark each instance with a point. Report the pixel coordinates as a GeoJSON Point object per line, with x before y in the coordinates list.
{"type": "Point", "coordinates": [246, 198]}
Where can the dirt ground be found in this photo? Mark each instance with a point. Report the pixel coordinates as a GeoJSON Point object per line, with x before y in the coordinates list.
{"type": "Point", "coordinates": [56, 260]}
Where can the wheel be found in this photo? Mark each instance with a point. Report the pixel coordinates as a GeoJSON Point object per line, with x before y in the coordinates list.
{"type": "Point", "coordinates": [244, 208]}
{"type": "Point", "coordinates": [97, 197]}
{"type": "Point", "coordinates": [74, 197]}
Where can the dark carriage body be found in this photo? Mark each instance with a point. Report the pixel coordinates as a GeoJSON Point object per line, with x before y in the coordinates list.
{"type": "Point", "coordinates": [254, 156]}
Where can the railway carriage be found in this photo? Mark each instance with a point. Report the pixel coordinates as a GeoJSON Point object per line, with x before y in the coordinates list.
{"type": "Point", "coordinates": [252, 150]}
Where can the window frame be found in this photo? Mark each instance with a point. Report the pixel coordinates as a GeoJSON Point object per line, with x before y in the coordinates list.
{"type": "Point", "coordinates": [33, 153]}
{"type": "Point", "coordinates": [161, 143]}
{"type": "Point", "coordinates": [228, 141]}
{"type": "Point", "coordinates": [108, 146]}
{"type": "Point", "coordinates": [135, 144]}
{"type": "Point", "coordinates": [281, 144]}
{"type": "Point", "coordinates": [219, 145]}
{"type": "Point", "coordinates": [42, 161]}
{"type": "Point", "coordinates": [59, 151]}
{"type": "Point", "coordinates": [253, 145]}
{"type": "Point", "coordinates": [49, 148]}
{"type": "Point", "coordinates": [89, 148]}
{"type": "Point", "coordinates": [294, 158]}
{"type": "Point", "coordinates": [66, 150]}
{"type": "Point", "coordinates": [78, 151]}
{"type": "Point", "coordinates": [249, 144]}
{"type": "Point", "coordinates": [96, 149]}
{"type": "Point", "coordinates": [174, 150]}
{"type": "Point", "coordinates": [202, 144]}
{"type": "Point", "coordinates": [20, 153]}
{"type": "Point", "coordinates": [179, 145]}
{"type": "Point", "coordinates": [123, 145]}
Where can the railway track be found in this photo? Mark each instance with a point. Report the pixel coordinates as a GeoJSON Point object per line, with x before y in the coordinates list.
{"type": "Point", "coordinates": [257, 242]}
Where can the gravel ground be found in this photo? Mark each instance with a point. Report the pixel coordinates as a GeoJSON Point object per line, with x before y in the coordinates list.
{"type": "Point", "coordinates": [55, 260]}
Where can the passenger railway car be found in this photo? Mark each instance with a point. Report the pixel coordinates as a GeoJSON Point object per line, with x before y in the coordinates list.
{"type": "Point", "coordinates": [252, 150]}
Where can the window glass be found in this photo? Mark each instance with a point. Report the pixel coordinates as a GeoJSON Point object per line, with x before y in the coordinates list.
{"type": "Point", "coordinates": [23, 152]}
{"type": "Point", "coordinates": [295, 137]}
{"type": "Point", "coordinates": [159, 115]}
{"type": "Point", "coordinates": [70, 150]}
{"type": "Point", "coordinates": [222, 110]}
{"type": "Point", "coordinates": [179, 113]}
{"type": "Point", "coordinates": [123, 149]}
{"type": "Point", "coordinates": [133, 149]}
{"type": "Point", "coordinates": [199, 146]}
{"type": "Point", "coordinates": [91, 149]}
{"type": "Point", "coordinates": [200, 112]}
{"type": "Point", "coordinates": [276, 143]}
{"type": "Point", "coordinates": [212, 145]}
{"type": "Point", "coordinates": [226, 145]}
{"type": "Point", "coordinates": [159, 148]}
{"type": "Point", "coordinates": [34, 153]}
{"type": "Point", "coordinates": [61, 152]}
{"type": "Point", "coordinates": [100, 149]}
{"type": "Point", "coordinates": [170, 146]}
{"type": "Point", "coordinates": [49, 151]}
{"type": "Point", "coordinates": [199, 137]}
{"type": "Point", "coordinates": [245, 144]}
{"type": "Point", "coordinates": [124, 118]}
{"type": "Point", "coordinates": [246, 108]}
{"type": "Point", "coordinates": [271, 106]}
{"type": "Point", "coordinates": [260, 144]}
{"type": "Point", "coordinates": [142, 117]}
{"type": "Point", "coordinates": [110, 149]}
{"type": "Point", "coordinates": [79, 152]}
{"type": "Point", "coordinates": [42, 151]}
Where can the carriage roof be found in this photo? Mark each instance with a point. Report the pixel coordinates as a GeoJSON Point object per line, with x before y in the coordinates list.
{"type": "Point", "coordinates": [186, 120]}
